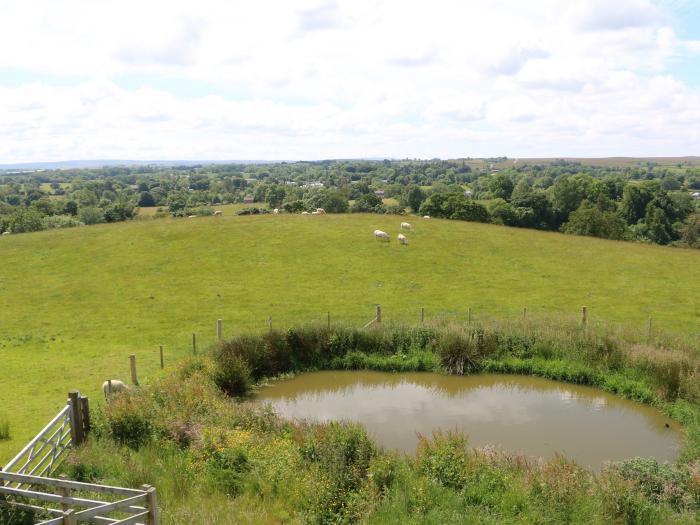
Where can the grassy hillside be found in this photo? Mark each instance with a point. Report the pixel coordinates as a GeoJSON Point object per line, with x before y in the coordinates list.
{"type": "Point", "coordinates": [75, 303]}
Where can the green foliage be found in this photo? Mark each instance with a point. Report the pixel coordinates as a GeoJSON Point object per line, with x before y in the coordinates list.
{"type": "Point", "coordinates": [60, 221]}
{"type": "Point", "coordinates": [90, 215]}
{"type": "Point", "coordinates": [590, 220]}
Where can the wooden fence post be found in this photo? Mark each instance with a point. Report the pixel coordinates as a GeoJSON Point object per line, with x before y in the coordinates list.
{"type": "Point", "coordinates": [194, 343]}
{"type": "Point", "coordinates": [132, 363]}
{"type": "Point", "coordinates": [469, 315]}
{"type": "Point", "coordinates": [649, 329]}
{"type": "Point", "coordinates": [584, 319]}
{"type": "Point", "coordinates": [422, 314]}
{"type": "Point", "coordinates": [379, 313]}
{"type": "Point", "coordinates": [69, 517]}
{"type": "Point", "coordinates": [151, 505]}
{"type": "Point", "coordinates": [162, 363]}
{"type": "Point", "coordinates": [63, 491]}
{"type": "Point", "coordinates": [269, 323]}
{"type": "Point", "coordinates": [524, 312]}
{"type": "Point", "coordinates": [218, 329]}
{"type": "Point", "coordinates": [109, 388]}
{"type": "Point", "coordinates": [85, 412]}
{"type": "Point", "coordinates": [76, 419]}
{"type": "Point", "coordinates": [329, 321]}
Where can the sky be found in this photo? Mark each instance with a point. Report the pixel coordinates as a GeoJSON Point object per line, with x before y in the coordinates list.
{"type": "Point", "coordinates": [318, 79]}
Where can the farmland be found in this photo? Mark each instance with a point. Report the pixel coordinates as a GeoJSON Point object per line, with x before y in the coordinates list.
{"type": "Point", "coordinates": [77, 302]}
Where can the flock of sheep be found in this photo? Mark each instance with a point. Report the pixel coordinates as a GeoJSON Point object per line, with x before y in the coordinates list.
{"type": "Point", "coordinates": [385, 237]}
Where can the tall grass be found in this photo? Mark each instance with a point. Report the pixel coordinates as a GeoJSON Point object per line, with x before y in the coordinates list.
{"type": "Point", "coordinates": [218, 460]}
{"type": "Point", "coordinates": [4, 427]}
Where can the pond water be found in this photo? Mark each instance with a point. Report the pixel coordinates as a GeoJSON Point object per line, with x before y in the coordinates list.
{"type": "Point", "coordinates": [528, 415]}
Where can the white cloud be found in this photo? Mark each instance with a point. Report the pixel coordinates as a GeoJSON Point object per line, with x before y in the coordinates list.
{"type": "Point", "coordinates": [310, 79]}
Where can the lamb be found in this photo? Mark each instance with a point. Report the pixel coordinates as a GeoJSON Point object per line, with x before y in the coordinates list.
{"type": "Point", "coordinates": [382, 236]}
{"type": "Point", "coordinates": [116, 386]}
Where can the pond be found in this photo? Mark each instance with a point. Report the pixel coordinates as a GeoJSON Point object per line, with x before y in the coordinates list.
{"type": "Point", "coordinates": [528, 415]}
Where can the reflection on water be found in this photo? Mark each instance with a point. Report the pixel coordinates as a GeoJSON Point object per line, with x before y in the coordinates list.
{"type": "Point", "coordinates": [529, 415]}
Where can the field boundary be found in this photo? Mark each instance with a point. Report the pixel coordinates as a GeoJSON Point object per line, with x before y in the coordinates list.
{"type": "Point", "coordinates": [24, 485]}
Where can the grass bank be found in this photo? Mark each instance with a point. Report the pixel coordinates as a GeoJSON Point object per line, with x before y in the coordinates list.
{"type": "Point", "coordinates": [75, 303]}
{"type": "Point", "coordinates": [216, 459]}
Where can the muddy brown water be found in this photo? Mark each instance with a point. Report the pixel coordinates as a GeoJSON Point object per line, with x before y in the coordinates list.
{"type": "Point", "coordinates": [527, 415]}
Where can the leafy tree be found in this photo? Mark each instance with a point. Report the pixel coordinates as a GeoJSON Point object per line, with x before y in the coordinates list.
{"type": "Point", "coordinates": [414, 197]}
{"type": "Point", "coordinates": [503, 213]}
{"type": "Point", "coordinates": [501, 186]}
{"type": "Point", "coordinates": [590, 220]}
{"type": "Point", "coordinates": [91, 215]}
{"type": "Point", "coordinates": [25, 220]}
{"type": "Point", "coordinates": [146, 200]}
{"type": "Point", "coordinates": [367, 203]}
{"type": "Point", "coordinates": [635, 199]}
{"type": "Point", "coordinates": [658, 227]}
{"type": "Point", "coordinates": [275, 196]}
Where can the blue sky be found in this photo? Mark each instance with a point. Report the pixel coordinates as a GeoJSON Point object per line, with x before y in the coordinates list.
{"type": "Point", "coordinates": [348, 78]}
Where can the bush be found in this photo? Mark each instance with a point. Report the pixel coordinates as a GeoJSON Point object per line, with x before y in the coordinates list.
{"type": "Point", "coordinates": [252, 211]}
{"type": "Point", "coordinates": [60, 221]}
{"type": "Point", "coordinates": [127, 419]}
{"type": "Point", "coordinates": [231, 373]}
{"type": "Point", "coordinates": [444, 459]}
{"type": "Point", "coordinates": [91, 215]}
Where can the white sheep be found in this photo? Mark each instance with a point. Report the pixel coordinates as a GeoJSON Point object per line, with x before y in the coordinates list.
{"type": "Point", "coordinates": [276, 211]}
{"type": "Point", "coordinates": [426, 216]}
{"type": "Point", "coordinates": [191, 216]}
{"type": "Point", "coordinates": [406, 226]}
{"type": "Point", "coordinates": [217, 213]}
{"type": "Point", "coordinates": [116, 386]}
{"type": "Point", "coordinates": [320, 211]}
{"type": "Point", "coordinates": [402, 238]}
{"type": "Point", "coordinates": [304, 212]}
{"type": "Point", "coordinates": [381, 236]}
{"type": "Point", "coordinates": [6, 233]}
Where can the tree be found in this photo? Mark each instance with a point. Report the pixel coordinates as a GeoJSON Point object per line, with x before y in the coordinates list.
{"type": "Point", "coordinates": [590, 220]}
{"type": "Point", "coordinates": [414, 197]}
{"type": "Point", "coordinates": [501, 186]}
{"type": "Point", "coordinates": [658, 227]}
{"type": "Point", "coordinates": [275, 196]}
{"type": "Point", "coordinates": [25, 220]}
{"type": "Point", "coordinates": [146, 200]}
{"type": "Point", "coordinates": [367, 203]}
{"type": "Point", "coordinates": [503, 213]}
{"type": "Point", "coordinates": [91, 215]}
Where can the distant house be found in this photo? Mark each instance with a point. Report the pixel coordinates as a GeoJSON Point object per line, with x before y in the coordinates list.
{"type": "Point", "coordinates": [248, 200]}
{"type": "Point", "coordinates": [313, 185]}
{"type": "Point", "coordinates": [379, 193]}
{"type": "Point", "coordinates": [695, 195]}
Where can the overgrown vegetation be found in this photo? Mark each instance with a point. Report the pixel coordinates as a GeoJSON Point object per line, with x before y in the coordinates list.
{"type": "Point", "coordinates": [4, 427]}
{"type": "Point", "coordinates": [218, 460]}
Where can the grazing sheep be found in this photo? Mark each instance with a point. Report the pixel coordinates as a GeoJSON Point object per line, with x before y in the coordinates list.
{"type": "Point", "coordinates": [6, 233]}
{"type": "Point", "coordinates": [315, 213]}
{"type": "Point", "coordinates": [304, 212]}
{"type": "Point", "coordinates": [117, 386]}
{"type": "Point", "coordinates": [320, 211]}
{"type": "Point", "coordinates": [406, 226]}
{"type": "Point", "coordinates": [217, 213]}
{"type": "Point", "coordinates": [275, 211]}
{"type": "Point", "coordinates": [191, 216]}
{"type": "Point", "coordinates": [402, 239]}
{"type": "Point", "coordinates": [426, 216]}
{"type": "Point", "coordinates": [382, 236]}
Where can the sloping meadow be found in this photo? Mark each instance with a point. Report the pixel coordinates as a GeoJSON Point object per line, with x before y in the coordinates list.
{"type": "Point", "coordinates": [216, 458]}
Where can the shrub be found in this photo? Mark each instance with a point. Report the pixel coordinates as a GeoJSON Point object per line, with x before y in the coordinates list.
{"type": "Point", "coordinates": [60, 221]}
{"type": "Point", "coordinates": [231, 372]}
{"type": "Point", "coordinates": [127, 419]}
{"type": "Point", "coordinates": [252, 211]}
{"type": "Point", "coordinates": [444, 458]}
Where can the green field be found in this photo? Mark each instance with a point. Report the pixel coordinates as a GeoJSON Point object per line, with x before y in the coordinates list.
{"type": "Point", "coordinates": [75, 303]}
